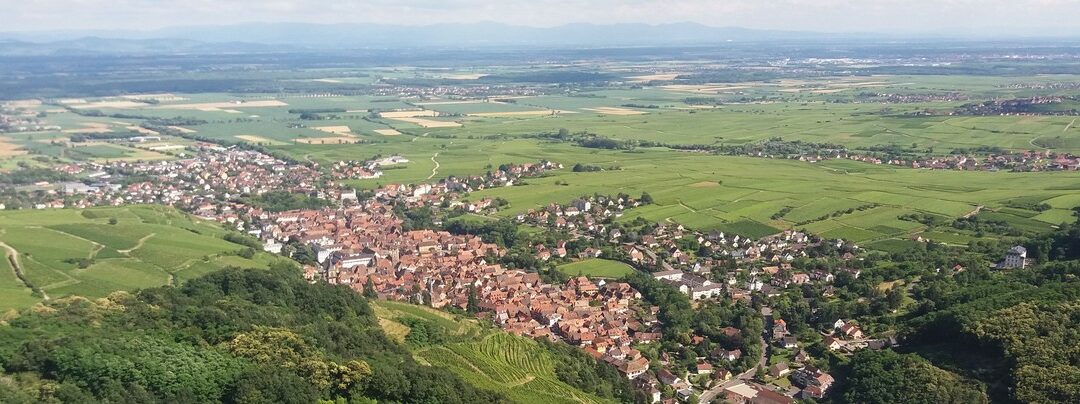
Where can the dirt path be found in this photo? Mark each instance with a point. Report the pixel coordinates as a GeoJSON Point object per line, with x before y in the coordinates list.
{"type": "Point", "coordinates": [1032, 143]}
{"type": "Point", "coordinates": [435, 170]}
{"type": "Point", "coordinates": [974, 212]}
{"type": "Point", "coordinates": [417, 137]}
{"type": "Point", "coordinates": [528, 378]}
{"type": "Point", "coordinates": [137, 245]}
{"type": "Point", "coordinates": [1069, 126]}
{"type": "Point", "coordinates": [13, 258]}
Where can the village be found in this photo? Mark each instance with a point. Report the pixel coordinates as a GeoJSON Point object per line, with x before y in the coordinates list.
{"type": "Point", "coordinates": [994, 160]}
{"type": "Point", "coordinates": [361, 241]}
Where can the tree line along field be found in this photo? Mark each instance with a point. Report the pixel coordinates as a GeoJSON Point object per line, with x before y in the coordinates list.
{"type": "Point", "coordinates": [78, 252]}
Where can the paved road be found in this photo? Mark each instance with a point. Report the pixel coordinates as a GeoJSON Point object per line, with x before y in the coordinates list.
{"type": "Point", "coordinates": [708, 395]}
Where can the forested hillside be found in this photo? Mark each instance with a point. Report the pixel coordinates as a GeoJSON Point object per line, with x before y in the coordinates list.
{"type": "Point", "coordinates": [1014, 331]}
{"type": "Point", "coordinates": [239, 336]}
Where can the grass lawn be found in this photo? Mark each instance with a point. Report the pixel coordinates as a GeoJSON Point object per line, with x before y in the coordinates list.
{"type": "Point", "coordinates": [596, 268]}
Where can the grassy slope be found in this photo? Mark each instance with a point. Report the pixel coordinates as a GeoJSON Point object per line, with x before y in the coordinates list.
{"type": "Point", "coordinates": [149, 246]}
{"type": "Point", "coordinates": [489, 359]}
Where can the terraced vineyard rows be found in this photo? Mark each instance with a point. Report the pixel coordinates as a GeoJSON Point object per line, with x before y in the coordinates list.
{"type": "Point", "coordinates": [513, 365]}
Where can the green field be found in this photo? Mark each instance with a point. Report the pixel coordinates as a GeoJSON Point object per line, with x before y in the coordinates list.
{"type": "Point", "coordinates": [596, 268]}
{"type": "Point", "coordinates": [148, 246]}
{"type": "Point", "coordinates": [732, 194]}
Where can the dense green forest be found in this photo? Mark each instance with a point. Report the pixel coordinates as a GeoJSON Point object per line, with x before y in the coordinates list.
{"type": "Point", "coordinates": [888, 377]}
{"type": "Point", "coordinates": [236, 335]}
{"type": "Point", "coordinates": [1014, 331]}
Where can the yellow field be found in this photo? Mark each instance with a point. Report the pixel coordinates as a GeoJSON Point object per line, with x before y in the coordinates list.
{"type": "Point", "coordinates": [652, 77]}
{"type": "Point", "coordinates": [23, 103]}
{"type": "Point", "coordinates": [119, 104]}
{"type": "Point", "coordinates": [541, 112]}
{"type": "Point", "coordinates": [387, 132]}
{"type": "Point", "coordinates": [326, 140]}
{"type": "Point", "coordinates": [704, 184]}
{"type": "Point", "coordinates": [429, 123]}
{"type": "Point", "coordinates": [259, 140]}
{"type": "Point", "coordinates": [615, 111]}
{"type": "Point", "coordinates": [8, 149]}
{"type": "Point", "coordinates": [214, 106]}
{"type": "Point", "coordinates": [337, 130]}
{"type": "Point", "coordinates": [143, 130]}
{"type": "Point", "coordinates": [408, 114]}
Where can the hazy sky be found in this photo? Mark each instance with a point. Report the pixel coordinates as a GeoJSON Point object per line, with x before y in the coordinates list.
{"type": "Point", "coordinates": [1031, 17]}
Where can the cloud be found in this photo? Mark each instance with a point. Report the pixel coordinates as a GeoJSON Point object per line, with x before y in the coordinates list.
{"type": "Point", "coordinates": [908, 16]}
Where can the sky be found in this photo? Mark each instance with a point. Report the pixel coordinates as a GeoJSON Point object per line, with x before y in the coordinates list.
{"type": "Point", "coordinates": [979, 17]}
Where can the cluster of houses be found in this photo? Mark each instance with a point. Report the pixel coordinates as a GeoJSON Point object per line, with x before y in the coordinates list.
{"type": "Point", "coordinates": [1028, 161]}
{"type": "Point", "coordinates": [15, 117]}
{"type": "Point", "coordinates": [205, 184]}
{"type": "Point", "coordinates": [895, 98]}
{"type": "Point", "coordinates": [1017, 107]}
{"type": "Point", "coordinates": [362, 244]}
{"type": "Point", "coordinates": [354, 170]}
{"type": "Point", "coordinates": [471, 92]}
{"type": "Point", "coordinates": [364, 247]}
{"type": "Point", "coordinates": [847, 338]}
{"type": "Point", "coordinates": [583, 217]}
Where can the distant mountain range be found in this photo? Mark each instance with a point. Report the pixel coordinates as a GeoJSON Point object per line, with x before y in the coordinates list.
{"type": "Point", "coordinates": [257, 36]}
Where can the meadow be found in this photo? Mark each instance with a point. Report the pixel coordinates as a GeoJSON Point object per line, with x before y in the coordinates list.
{"type": "Point", "coordinates": [78, 252]}
{"type": "Point", "coordinates": [596, 268]}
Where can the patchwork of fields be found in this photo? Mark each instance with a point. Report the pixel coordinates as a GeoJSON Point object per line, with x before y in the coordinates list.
{"type": "Point", "coordinates": [736, 194]}
{"type": "Point", "coordinates": [78, 252]}
{"type": "Point", "coordinates": [753, 197]}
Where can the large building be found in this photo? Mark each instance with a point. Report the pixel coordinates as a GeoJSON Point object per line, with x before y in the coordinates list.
{"type": "Point", "coordinates": [1016, 257]}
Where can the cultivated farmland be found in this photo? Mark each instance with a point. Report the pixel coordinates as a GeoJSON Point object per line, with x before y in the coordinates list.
{"type": "Point", "coordinates": [78, 252]}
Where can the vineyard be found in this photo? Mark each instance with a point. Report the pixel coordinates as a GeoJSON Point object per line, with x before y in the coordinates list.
{"type": "Point", "coordinates": [516, 366]}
